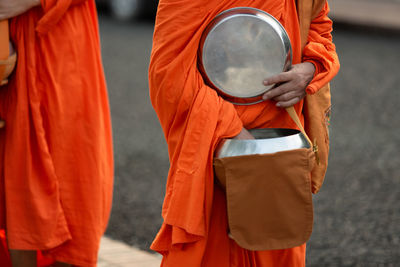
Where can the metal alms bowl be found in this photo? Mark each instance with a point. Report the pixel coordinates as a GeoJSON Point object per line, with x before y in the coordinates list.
{"type": "Point", "coordinates": [267, 141]}
{"type": "Point", "coordinates": [240, 48]}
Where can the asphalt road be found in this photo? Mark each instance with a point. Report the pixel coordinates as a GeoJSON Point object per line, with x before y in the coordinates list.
{"type": "Point", "coordinates": [357, 212]}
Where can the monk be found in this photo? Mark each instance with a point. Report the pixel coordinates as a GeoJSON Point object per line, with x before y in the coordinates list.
{"type": "Point", "coordinates": [195, 118]}
{"type": "Point", "coordinates": [56, 165]}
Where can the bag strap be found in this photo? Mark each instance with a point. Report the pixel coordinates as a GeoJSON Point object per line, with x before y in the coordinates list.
{"type": "Point", "coordinates": [307, 10]}
{"type": "Point", "coordinates": [292, 113]}
{"type": "Point", "coordinates": [295, 118]}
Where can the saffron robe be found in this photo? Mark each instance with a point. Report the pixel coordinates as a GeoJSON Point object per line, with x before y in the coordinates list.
{"type": "Point", "coordinates": [194, 119]}
{"type": "Point", "coordinates": [56, 165]}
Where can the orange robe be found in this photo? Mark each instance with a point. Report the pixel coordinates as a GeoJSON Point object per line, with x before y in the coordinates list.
{"type": "Point", "coordinates": [194, 118]}
{"type": "Point", "coordinates": [56, 165]}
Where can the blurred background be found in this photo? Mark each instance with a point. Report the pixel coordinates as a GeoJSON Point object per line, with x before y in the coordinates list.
{"type": "Point", "coordinates": [357, 212]}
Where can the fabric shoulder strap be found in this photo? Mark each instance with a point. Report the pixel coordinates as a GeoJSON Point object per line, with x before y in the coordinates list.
{"type": "Point", "coordinates": [316, 107]}
{"type": "Point", "coordinates": [292, 113]}
{"type": "Point", "coordinates": [307, 10]}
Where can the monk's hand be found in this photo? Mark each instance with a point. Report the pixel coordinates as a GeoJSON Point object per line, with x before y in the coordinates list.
{"type": "Point", "coordinates": [290, 85]}
{"type": "Point", "coordinates": [13, 8]}
{"type": "Point", "coordinates": [244, 135]}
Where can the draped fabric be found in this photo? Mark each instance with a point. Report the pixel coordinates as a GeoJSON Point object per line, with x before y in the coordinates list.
{"type": "Point", "coordinates": [194, 118]}
{"type": "Point", "coordinates": [56, 166]}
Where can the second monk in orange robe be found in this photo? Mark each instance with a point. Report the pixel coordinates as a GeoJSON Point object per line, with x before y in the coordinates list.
{"type": "Point", "coordinates": [56, 166]}
{"type": "Point", "coordinates": [194, 118]}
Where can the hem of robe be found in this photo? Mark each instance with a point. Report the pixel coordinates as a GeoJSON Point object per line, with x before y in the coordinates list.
{"type": "Point", "coordinates": [24, 246]}
{"type": "Point", "coordinates": [217, 249]}
{"type": "Point", "coordinates": [49, 256]}
{"type": "Point", "coordinates": [26, 240]}
{"type": "Point", "coordinates": [46, 258]}
{"type": "Point", "coordinates": [66, 259]}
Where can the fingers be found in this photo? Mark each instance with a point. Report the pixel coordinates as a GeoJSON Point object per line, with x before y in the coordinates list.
{"type": "Point", "coordinates": [277, 91]}
{"type": "Point", "coordinates": [288, 96]}
{"type": "Point", "coordinates": [285, 95]}
{"type": "Point", "coordinates": [289, 99]}
{"type": "Point", "coordinates": [283, 84]}
{"type": "Point", "coordinates": [289, 88]}
{"type": "Point", "coordinates": [279, 78]}
{"type": "Point", "coordinates": [289, 103]}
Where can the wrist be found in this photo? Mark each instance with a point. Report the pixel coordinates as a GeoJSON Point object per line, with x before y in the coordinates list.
{"type": "Point", "coordinates": [311, 68]}
{"type": "Point", "coordinates": [309, 88]}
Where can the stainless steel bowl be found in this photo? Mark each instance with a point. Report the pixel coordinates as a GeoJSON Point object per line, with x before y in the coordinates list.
{"type": "Point", "coordinates": [270, 140]}
{"type": "Point", "coordinates": [240, 48]}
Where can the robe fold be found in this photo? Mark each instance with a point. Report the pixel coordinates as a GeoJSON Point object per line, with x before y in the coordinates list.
{"type": "Point", "coordinates": [194, 119]}
{"type": "Point", "coordinates": [56, 165]}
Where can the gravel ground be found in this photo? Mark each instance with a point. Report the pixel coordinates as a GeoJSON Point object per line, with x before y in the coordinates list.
{"type": "Point", "coordinates": [357, 212]}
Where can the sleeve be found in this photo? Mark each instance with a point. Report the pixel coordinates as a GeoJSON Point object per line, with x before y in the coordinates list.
{"type": "Point", "coordinates": [53, 12]}
{"type": "Point", "coordinates": [321, 51]}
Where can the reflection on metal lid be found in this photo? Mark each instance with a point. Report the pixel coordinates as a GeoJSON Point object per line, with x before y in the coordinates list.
{"type": "Point", "coordinates": [240, 48]}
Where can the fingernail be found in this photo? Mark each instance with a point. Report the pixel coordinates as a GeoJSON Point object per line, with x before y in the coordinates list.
{"type": "Point", "coordinates": [265, 82]}
{"type": "Point", "coordinates": [265, 97]}
{"type": "Point", "coordinates": [278, 105]}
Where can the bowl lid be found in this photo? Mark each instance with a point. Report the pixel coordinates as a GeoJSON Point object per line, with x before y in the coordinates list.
{"type": "Point", "coordinates": [240, 48]}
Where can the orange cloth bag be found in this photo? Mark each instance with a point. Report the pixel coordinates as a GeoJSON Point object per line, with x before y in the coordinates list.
{"type": "Point", "coordinates": [269, 199]}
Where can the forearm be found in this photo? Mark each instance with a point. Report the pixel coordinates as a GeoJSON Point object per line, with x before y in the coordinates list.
{"type": "Point", "coordinates": [10, 9]}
